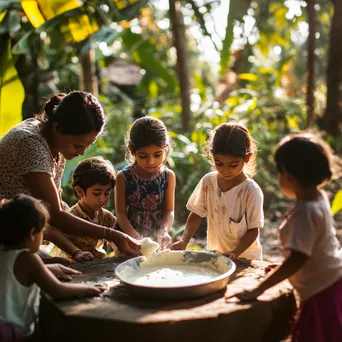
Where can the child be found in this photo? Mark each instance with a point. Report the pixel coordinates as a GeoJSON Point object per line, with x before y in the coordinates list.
{"type": "Point", "coordinates": [93, 181]}
{"type": "Point", "coordinates": [313, 261]}
{"type": "Point", "coordinates": [231, 200]}
{"type": "Point", "coordinates": [22, 272]}
{"type": "Point", "coordinates": [144, 196]}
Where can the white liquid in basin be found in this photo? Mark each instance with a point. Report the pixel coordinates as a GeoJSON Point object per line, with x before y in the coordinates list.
{"type": "Point", "coordinates": [172, 275]}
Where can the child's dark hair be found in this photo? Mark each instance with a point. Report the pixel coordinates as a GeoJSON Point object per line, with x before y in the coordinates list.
{"type": "Point", "coordinates": [305, 157]}
{"type": "Point", "coordinates": [144, 132]}
{"type": "Point", "coordinates": [76, 113]}
{"type": "Point", "coordinates": [18, 216]}
{"type": "Point", "coordinates": [91, 171]}
{"type": "Point", "coordinates": [232, 138]}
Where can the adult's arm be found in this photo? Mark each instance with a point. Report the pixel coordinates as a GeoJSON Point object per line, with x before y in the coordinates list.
{"type": "Point", "coordinates": [42, 187]}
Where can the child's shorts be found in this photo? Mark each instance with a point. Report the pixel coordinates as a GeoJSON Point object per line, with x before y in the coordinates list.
{"type": "Point", "coordinates": [320, 318]}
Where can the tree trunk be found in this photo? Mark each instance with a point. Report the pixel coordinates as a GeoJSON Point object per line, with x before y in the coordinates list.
{"type": "Point", "coordinates": [310, 99]}
{"type": "Point", "coordinates": [180, 43]}
{"type": "Point", "coordinates": [333, 114]}
{"type": "Point", "coordinates": [88, 80]}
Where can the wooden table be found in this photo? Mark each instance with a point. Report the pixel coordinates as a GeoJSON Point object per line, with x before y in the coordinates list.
{"type": "Point", "coordinates": [120, 316]}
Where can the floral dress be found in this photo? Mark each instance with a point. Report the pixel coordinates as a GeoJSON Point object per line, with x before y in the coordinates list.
{"type": "Point", "coordinates": [145, 201]}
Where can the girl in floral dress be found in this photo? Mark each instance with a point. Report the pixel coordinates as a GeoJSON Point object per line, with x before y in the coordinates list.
{"type": "Point", "coordinates": [231, 200]}
{"type": "Point", "coordinates": [145, 189]}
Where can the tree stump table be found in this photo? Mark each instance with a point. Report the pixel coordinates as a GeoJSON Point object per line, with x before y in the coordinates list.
{"type": "Point", "coordinates": [120, 316]}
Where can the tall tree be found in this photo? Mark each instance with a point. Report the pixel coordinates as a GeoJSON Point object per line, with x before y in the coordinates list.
{"type": "Point", "coordinates": [310, 100]}
{"type": "Point", "coordinates": [88, 78]}
{"type": "Point", "coordinates": [179, 41]}
{"type": "Point", "coordinates": [333, 114]}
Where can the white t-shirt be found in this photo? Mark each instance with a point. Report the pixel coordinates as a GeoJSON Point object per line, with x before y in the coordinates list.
{"type": "Point", "coordinates": [308, 229]}
{"type": "Point", "coordinates": [19, 303]}
{"type": "Point", "coordinates": [24, 150]}
{"type": "Point", "coordinates": [229, 214]}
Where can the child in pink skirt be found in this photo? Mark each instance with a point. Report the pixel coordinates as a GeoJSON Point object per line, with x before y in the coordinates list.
{"type": "Point", "coordinates": [313, 261]}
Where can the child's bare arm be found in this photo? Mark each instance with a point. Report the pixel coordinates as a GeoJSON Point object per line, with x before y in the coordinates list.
{"type": "Point", "coordinates": [192, 224]}
{"type": "Point", "coordinates": [120, 207]}
{"type": "Point", "coordinates": [39, 274]}
{"type": "Point", "coordinates": [245, 242]}
{"type": "Point", "coordinates": [289, 267]}
{"type": "Point", "coordinates": [62, 272]}
{"type": "Point", "coordinates": [168, 214]}
{"type": "Point", "coordinates": [60, 240]}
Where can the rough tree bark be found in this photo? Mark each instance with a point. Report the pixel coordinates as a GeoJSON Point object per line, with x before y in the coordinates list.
{"type": "Point", "coordinates": [310, 98]}
{"type": "Point", "coordinates": [88, 79]}
{"type": "Point", "coordinates": [180, 43]}
{"type": "Point", "coordinates": [332, 118]}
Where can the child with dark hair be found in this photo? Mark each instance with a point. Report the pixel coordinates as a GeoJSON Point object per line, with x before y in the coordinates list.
{"type": "Point", "coordinates": [231, 200]}
{"type": "Point", "coordinates": [22, 272]}
{"type": "Point", "coordinates": [93, 181]}
{"type": "Point", "coordinates": [144, 196]}
{"type": "Point", "coordinates": [313, 262]}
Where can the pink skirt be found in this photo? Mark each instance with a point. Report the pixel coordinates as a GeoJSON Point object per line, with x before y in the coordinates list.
{"type": "Point", "coordinates": [320, 317]}
{"type": "Point", "coordinates": [8, 333]}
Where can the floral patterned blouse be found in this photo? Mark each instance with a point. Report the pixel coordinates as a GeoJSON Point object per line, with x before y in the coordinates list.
{"type": "Point", "coordinates": [24, 150]}
{"type": "Point", "coordinates": [145, 200]}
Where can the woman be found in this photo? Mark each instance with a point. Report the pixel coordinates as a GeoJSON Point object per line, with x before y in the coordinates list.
{"type": "Point", "coordinates": [33, 155]}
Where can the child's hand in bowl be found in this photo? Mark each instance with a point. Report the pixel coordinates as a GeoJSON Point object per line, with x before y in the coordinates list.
{"type": "Point", "coordinates": [179, 245]}
{"type": "Point", "coordinates": [163, 238]}
{"type": "Point", "coordinates": [230, 255]}
{"type": "Point", "coordinates": [165, 241]}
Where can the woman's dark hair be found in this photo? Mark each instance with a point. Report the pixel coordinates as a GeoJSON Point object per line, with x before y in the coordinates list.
{"type": "Point", "coordinates": [18, 216]}
{"type": "Point", "coordinates": [232, 139]}
{"type": "Point", "coordinates": [91, 171]}
{"type": "Point", "coordinates": [144, 132]}
{"type": "Point", "coordinates": [76, 113]}
{"type": "Point", "coordinates": [306, 158]}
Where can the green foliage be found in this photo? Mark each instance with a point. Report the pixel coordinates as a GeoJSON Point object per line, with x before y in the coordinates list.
{"type": "Point", "coordinates": [337, 203]}
{"type": "Point", "coordinates": [227, 42]}
{"type": "Point", "coordinates": [268, 97]}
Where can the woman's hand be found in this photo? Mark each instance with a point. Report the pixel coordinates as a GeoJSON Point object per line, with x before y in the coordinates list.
{"type": "Point", "coordinates": [179, 245]}
{"type": "Point", "coordinates": [125, 243]}
{"type": "Point", "coordinates": [61, 272]}
{"type": "Point", "coordinates": [79, 255]}
{"type": "Point", "coordinates": [136, 235]}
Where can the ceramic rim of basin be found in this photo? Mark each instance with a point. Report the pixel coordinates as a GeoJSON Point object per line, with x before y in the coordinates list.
{"type": "Point", "coordinates": [192, 258]}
